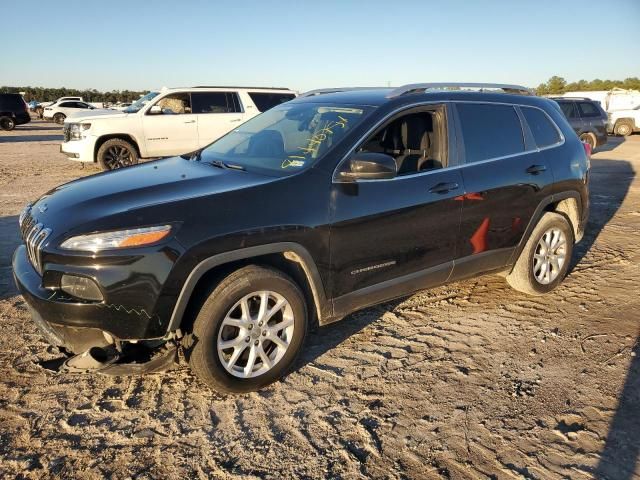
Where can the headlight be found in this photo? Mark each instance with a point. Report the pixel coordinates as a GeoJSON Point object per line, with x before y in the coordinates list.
{"type": "Point", "coordinates": [135, 237]}
{"type": "Point", "coordinates": [76, 129]}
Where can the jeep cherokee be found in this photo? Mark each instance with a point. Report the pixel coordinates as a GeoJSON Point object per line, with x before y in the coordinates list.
{"type": "Point", "coordinates": [324, 205]}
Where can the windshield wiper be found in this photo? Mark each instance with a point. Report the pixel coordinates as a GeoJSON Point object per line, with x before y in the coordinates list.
{"type": "Point", "coordinates": [234, 166]}
{"type": "Point", "coordinates": [230, 166]}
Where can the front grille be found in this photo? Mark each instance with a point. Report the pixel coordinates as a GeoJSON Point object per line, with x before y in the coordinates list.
{"type": "Point", "coordinates": [34, 235]}
{"type": "Point", "coordinates": [67, 132]}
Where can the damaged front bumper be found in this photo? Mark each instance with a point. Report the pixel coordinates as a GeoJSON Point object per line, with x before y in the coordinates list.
{"type": "Point", "coordinates": [112, 335]}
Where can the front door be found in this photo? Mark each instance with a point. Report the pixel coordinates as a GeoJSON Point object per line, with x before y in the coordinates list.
{"type": "Point", "coordinates": [173, 130]}
{"type": "Point", "coordinates": [505, 179]}
{"type": "Point", "coordinates": [392, 237]}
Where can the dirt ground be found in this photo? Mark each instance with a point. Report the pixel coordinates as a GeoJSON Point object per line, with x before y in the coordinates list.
{"type": "Point", "coordinates": [470, 380]}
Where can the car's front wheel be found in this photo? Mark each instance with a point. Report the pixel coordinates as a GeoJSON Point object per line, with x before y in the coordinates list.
{"type": "Point", "coordinates": [249, 330]}
{"type": "Point", "coordinates": [116, 153]}
{"type": "Point", "coordinates": [59, 118]}
{"type": "Point", "coordinates": [544, 260]}
{"type": "Point", "coordinates": [7, 123]}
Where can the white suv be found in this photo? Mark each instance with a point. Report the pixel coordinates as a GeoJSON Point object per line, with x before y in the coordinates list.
{"type": "Point", "coordinates": [60, 110]}
{"type": "Point", "coordinates": [171, 122]}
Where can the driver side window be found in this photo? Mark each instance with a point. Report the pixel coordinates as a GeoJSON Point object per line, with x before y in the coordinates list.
{"type": "Point", "coordinates": [175, 104]}
{"type": "Point", "coordinates": [413, 140]}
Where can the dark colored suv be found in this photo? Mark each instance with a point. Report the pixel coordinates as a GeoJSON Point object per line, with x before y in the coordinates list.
{"type": "Point", "coordinates": [13, 111]}
{"type": "Point", "coordinates": [332, 202]}
{"type": "Point", "coordinates": [587, 118]}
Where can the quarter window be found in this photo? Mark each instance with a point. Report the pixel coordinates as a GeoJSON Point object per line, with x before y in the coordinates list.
{"type": "Point", "coordinates": [544, 132]}
{"type": "Point", "coordinates": [264, 101]}
{"type": "Point", "coordinates": [215, 102]}
{"type": "Point", "coordinates": [490, 131]}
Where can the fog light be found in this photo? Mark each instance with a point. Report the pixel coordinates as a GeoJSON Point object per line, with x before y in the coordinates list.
{"type": "Point", "coordinates": [80, 287]}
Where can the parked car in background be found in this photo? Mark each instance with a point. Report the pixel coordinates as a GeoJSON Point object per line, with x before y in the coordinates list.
{"type": "Point", "coordinates": [62, 99]}
{"type": "Point", "coordinates": [160, 124]}
{"type": "Point", "coordinates": [13, 111]}
{"type": "Point", "coordinates": [319, 207]}
{"type": "Point", "coordinates": [624, 122]}
{"type": "Point", "coordinates": [587, 118]}
{"type": "Point", "coordinates": [59, 111]}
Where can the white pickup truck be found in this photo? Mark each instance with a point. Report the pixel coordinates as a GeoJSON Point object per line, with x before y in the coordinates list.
{"type": "Point", "coordinates": [161, 124]}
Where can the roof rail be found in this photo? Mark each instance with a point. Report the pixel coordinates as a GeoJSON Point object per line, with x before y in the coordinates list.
{"type": "Point", "coordinates": [321, 91]}
{"type": "Point", "coordinates": [235, 86]}
{"type": "Point", "coordinates": [423, 87]}
{"type": "Point", "coordinates": [556, 97]}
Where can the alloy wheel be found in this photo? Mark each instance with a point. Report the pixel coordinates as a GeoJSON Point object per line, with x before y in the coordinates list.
{"type": "Point", "coordinates": [255, 334]}
{"type": "Point", "coordinates": [549, 256]}
{"type": "Point", "coordinates": [117, 156]}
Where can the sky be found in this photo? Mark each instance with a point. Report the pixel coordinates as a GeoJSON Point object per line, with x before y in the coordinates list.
{"type": "Point", "coordinates": [141, 45]}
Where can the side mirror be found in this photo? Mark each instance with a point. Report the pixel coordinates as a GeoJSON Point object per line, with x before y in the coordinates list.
{"type": "Point", "coordinates": [155, 110]}
{"type": "Point", "coordinates": [370, 166]}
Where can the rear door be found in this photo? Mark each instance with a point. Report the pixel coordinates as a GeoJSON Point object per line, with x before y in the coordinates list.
{"type": "Point", "coordinates": [172, 131]}
{"type": "Point", "coordinates": [595, 118]}
{"type": "Point", "coordinates": [504, 178]}
{"type": "Point", "coordinates": [217, 112]}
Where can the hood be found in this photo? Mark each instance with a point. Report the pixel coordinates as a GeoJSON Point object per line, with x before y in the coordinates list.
{"type": "Point", "coordinates": [98, 112]}
{"type": "Point", "coordinates": [139, 195]}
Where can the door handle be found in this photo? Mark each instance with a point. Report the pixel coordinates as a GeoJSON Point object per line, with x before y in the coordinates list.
{"type": "Point", "coordinates": [190, 121]}
{"type": "Point", "coordinates": [536, 169]}
{"type": "Point", "coordinates": [236, 120]}
{"type": "Point", "coordinates": [443, 187]}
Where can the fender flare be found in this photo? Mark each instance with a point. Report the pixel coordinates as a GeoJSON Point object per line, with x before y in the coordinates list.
{"type": "Point", "coordinates": [291, 251]}
{"type": "Point", "coordinates": [539, 212]}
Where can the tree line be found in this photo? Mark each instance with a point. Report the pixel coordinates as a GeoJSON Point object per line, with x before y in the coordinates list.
{"type": "Point", "coordinates": [557, 85]}
{"type": "Point", "coordinates": [42, 94]}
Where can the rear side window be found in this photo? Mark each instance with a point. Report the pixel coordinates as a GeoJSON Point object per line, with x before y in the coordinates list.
{"type": "Point", "coordinates": [264, 100]}
{"type": "Point", "coordinates": [215, 102]}
{"type": "Point", "coordinates": [490, 131]}
{"type": "Point", "coordinates": [569, 109]}
{"type": "Point", "coordinates": [588, 109]}
{"type": "Point", "coordinates": [68, 105]}
{"type": "Point", "coordinates": [544, 131]}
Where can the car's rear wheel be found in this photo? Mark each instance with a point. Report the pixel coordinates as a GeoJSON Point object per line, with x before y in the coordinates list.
{"type": "Point", "coordinates": [59, 118]}
{"type": "Point", "coordinates": [589, 138]}
{"type": "Point", "coordinates": [7, 123]}
{"type": "Point", "coordinates": [249, 330]}
{"type": "Point", "coordinates": [116, 153]}
{"type": "Point", "coordinates": [623, 128]}
{"type": "Point", "coordinates": [544, 260]}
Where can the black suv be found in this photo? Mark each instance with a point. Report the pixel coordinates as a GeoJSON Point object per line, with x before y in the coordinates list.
{"type": "Point", "coordinates": [13, 111]}
{"type": "Point", "coordinates": [321, 206]}
{"type": "Point", "coordinates": [587, 118]}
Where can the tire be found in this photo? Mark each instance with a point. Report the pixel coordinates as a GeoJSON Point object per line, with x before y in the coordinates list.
{"type": "Point", "coordinates": [526, 273]}
{"type": "Point", "coordinates": [623, 128]}
{"type": "Point", "coordinates": [225, 304]}
{"type": "Point", "coordinates": [59, 118]}
{"type": "Point", "coordinates": [7, 123]}
{"type": "Point", "coordinates": [589, 138]}
{"type": "Point", "coordinates": [117, 153]}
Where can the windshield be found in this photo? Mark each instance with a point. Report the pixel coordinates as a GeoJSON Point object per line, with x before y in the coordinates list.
{"type": "Point", "coordinates": [285, 139]}
{"type": "Point", "coordinates": [138, 104]}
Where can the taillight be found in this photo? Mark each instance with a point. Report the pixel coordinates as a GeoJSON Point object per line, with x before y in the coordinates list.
{"type": "Point", "coordinates": [587, 149]}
